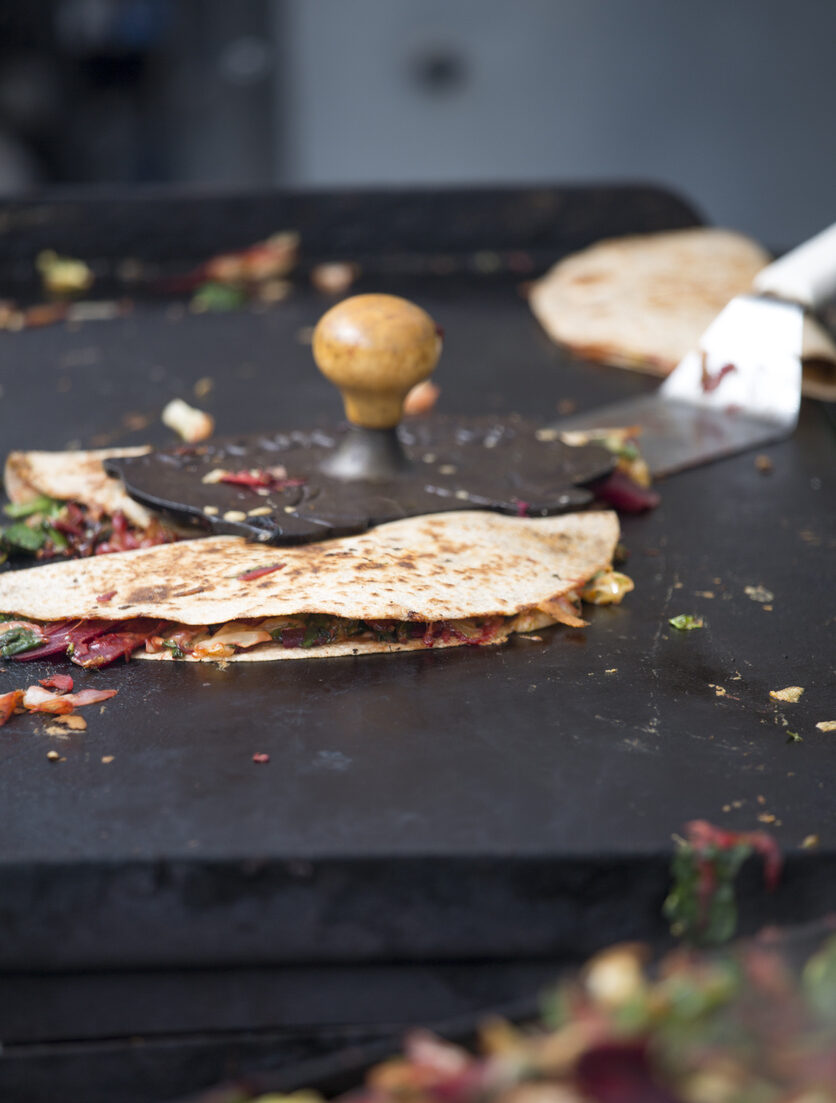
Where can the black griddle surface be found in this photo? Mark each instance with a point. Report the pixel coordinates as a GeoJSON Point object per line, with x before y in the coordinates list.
{"type": "Point", "coordinates": [460, 803]}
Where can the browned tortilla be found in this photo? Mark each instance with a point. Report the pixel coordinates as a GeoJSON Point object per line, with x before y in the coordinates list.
{"type": "Point", "coordinates": [443, 567]}
{"type": "Point", "coordinates": [644, 301]}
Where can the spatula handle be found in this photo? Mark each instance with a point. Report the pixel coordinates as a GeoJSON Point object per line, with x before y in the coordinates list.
{"type": "Point", "coordinates": [807, 275]}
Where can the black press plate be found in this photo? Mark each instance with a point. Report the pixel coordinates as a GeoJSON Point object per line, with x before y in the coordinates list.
{"type": "Point", "coordinates": [487, 462]}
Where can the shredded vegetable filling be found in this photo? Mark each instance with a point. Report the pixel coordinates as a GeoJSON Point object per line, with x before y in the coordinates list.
{"type": "Point", "coordinates": [95, 643]}
{"type": "Point", "coordinates": [48, 529]}
{"type": "Point", "coordinates": [607, 588]}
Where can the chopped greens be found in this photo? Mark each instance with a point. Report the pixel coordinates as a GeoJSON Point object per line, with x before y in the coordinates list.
{"type": "Point", "coordinates": [217, 298]}
{"type": "Point", "coordinates": [686, 622]}
{"type": "Point", "coordinates": [319, 630]}
{"type": "Point", "coordinates": [701, 906]}
{"type": "Point", "coordinates": [18, 639]}
{"type": "Point", "coordinates": [59, 540]}
{"type": "Point", "coordinates": [624, 449]}
{"type": "Point", "coordinates": [41, 504]}
{"type": "Point", "coordinates": [704, 922]}
{"type": "Point", "coordinates": [175, 649]}
{"type": "Point", "coordinates": [25, 537]}
{"type": "Point", "coordinates": [46, 527]}
{"type": "Point", "coordinates": [32, 528]}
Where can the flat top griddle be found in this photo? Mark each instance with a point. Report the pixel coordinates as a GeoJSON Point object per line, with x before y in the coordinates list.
{"type": "Point", "coordinates": [449, 804]}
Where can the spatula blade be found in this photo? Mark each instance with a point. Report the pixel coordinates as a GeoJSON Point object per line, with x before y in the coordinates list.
{"type": "Point", "coordinates": [739, 389]}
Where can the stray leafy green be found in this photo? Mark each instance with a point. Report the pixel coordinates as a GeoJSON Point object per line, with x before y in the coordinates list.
{"type": "Point", "coordinates": [701, 905]}
{"type": "Point", "coordinates": [686, 622]}
{"type": "Point", "coordinates": [59, 540]}
{"type": "Point", "coordinates": [25, 537]}
{"type": "Point", "coordinates": [41, 504]}
{"type": "Point", "coordinates": [175, 648]}
{"type": "Point", "coordinates": [794, 737]}
{"type": "Point", "coordinates": [33, 526]}
{"type": "Point", "coordinates": [625, 450]}
{"type": "Point", "coordinates": [217, 298]}
{"type": "Point", "coordinates": [690, 917]}
{"type": "Point", "coordinates": [17, 640]}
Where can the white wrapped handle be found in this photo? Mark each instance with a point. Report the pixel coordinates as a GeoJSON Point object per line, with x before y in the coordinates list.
{"type": "Point", "coordinates": [807, 275]}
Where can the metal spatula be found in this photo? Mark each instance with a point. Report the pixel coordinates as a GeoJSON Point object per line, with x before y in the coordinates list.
{"type": "Point", "coordinates": [741, 387]}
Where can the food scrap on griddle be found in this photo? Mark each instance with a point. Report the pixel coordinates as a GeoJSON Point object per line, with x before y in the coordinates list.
{"type": "Point", "coordinates": [790, 694]}
{"type": "Point", "coordinates": [686, 622]}
{"type": "Point", "coordinates": [190, 424]}
{"type": "Point", "coordinates": [39, 698]}
{"type": "Point", "coordinates": [628, 489]}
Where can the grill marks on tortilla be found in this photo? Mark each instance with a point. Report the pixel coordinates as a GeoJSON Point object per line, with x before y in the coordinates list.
{"type": "Point", "coordinates": [447, 567]}
{"type": "Point", "coordinates": [645, 300]}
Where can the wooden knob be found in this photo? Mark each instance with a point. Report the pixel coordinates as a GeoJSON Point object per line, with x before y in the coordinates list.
{"type": "Point", "coordinates": [375, 348]}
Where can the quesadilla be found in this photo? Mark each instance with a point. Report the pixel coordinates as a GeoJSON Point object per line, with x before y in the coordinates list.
{"type": "Point", "coordinates": [66, 504]}
{"type": "Point", "coordinates": [442, 580]}
{"type": "Point", "coordinates": [644, 301]}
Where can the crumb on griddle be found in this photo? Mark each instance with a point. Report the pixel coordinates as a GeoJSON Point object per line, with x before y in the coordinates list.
{"type": "Point", "coordinates": [790, 694]}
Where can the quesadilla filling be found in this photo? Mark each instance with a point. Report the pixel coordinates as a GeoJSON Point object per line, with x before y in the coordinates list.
{"type": "Point", "coordinates": [48, 529]}
{"type": "Point", "coordinates": [95, 643]}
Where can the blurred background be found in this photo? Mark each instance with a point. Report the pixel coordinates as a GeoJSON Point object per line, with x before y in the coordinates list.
{"type": "Point", "coordinates": [731, 101]}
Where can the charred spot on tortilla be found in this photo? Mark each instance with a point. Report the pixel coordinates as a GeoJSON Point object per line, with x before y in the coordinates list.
{"type": "Point", "coordinates": [145, 594]}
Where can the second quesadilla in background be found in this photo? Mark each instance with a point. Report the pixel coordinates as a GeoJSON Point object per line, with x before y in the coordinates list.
{"type": "Point", "coordinates": [644, 301]}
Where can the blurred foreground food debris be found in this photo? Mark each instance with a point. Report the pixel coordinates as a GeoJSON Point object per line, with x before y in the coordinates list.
{"type": "Point", "coordinates": [752, 1024]}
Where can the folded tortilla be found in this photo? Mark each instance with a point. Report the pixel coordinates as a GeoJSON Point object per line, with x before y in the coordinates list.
{"type": "Point", "coordinates": [74, 477]}
{"type": "Point", "coordinates": [644, 301]}
{"type": "Point", "coordinates": [442, 568]}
